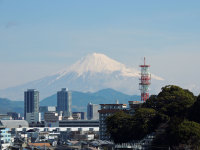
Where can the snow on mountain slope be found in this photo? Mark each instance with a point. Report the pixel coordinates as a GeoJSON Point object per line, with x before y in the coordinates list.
{"type": "Point", "coordinates": [91, 73]}
{"type": "Point", "coordinates": [97, 63]}
{"type": "Point", "coordinates": [100, 63]}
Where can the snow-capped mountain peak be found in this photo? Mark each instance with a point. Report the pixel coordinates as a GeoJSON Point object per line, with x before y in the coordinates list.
{"type": "Point", "coordinates": [91, 73]}
{"type": "Point", "coordinates": [98, 63]}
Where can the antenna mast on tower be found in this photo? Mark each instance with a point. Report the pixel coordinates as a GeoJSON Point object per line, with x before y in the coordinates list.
{"type": "Point", "coordinates": [145, 79]}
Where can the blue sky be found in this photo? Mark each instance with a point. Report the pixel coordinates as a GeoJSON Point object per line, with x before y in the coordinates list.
{"type": "Point", "coordinates": [40, 37]}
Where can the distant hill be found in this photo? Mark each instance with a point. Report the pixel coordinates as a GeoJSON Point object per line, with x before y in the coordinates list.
{"type": "Point", "coordinates": [7, 105]}
{"type": "Point", "coordinates": [80, 99]}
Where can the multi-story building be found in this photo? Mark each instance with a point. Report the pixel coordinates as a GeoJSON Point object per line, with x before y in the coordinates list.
{"type": "Point", "coordinates": [133, 105]}
{"type": "Point", "coordinates": [107, 110]}
{"type": "Point", "coordinates": [52, 119]}
{"type": "Point", "coordinates": [82, 115]}
{"type": "Point", "coordinates": [31, 101]}
{"type": "Point", "coordinates": [14, 115]}
{"type": "Point", "coordinates": [92, 111]}
{"type": "Point", "coordinates": [34, 117]}
{"type": "Point", "coordinates": [5, 138]}
{"type": "Point", "coordinates": [5, 117]}
{"type": "Point", "coordinates": [79, 123]}
{"type": "Point", "coordinates": [64, 100]}
{"type": "Point", "coordinates": [44, 109]}
{"type": "Point", "coordinates": [76, 116]}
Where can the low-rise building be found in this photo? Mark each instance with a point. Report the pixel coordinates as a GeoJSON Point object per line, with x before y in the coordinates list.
{"type": "Point", "coordinates": [79, 123]}
{"type": "Point", "coordinates": [14, 123]}
{"type": "Point", "coordinates": [5, 117]}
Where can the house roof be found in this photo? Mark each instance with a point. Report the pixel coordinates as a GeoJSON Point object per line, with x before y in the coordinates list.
{"type": "Point", "coordinates": [40, 144]}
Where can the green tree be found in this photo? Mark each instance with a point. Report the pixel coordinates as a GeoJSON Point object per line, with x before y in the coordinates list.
{"type": "Point", "coordinates": [145, 121]}
{"type": "Point", "coordinates": [166, 114]}
{"type": "Point", "coordinates": [119, 127]}
{"type": "Point", "coordinates": [184, 134]}
{"type": "Point", "coordinates": [171, 101]}
{"type": "Point", "coordinates": [123, 127]}
{"type": "Point", "coordinates": [194, 113]}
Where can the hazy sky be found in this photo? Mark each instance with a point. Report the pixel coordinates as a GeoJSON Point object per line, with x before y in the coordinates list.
{"type": "Point", "coordinates": [40, 37]}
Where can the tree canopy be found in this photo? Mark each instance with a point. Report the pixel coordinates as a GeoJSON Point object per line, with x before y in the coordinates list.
{"type": "Point", "coordinates": [194, 113]}
{"type": "Point", "coordinates": [171, 101]}
{"type": "Point", "coordinates": [119, 126]}
{"type": "Point", "coordinates": [184, 133]}
{"type": "Point", "coordinates": [123, 127]}
{"type": "Point", "coordinates": [174, 107]}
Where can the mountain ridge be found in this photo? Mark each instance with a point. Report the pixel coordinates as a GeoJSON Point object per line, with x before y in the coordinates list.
{"type": "Point", "coordinates": [91, 73]}
{"type": "Point", "coordinates": [79, 100]}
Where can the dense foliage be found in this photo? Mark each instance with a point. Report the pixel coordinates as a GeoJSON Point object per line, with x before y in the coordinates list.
{"type": "Point", "coordinates": [123, 127]}
{"type": "Point", "coordinates": [171, 101]}
{"type": "Point", "coordinates": [174, 112]}
{"type": "Point", "coordinates": [185, 133]}
{"type": "Point", "coordinates": [122, 122]}
{"type": "Point", "coordinates": [194, 113]}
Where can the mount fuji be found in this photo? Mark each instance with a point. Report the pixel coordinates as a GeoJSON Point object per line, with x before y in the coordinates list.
{"type": "Point", "coordinates": [91, 73]}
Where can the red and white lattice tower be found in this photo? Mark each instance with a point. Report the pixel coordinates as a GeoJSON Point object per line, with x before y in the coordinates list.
{"type": "Point", "coordinates": [145, 81]}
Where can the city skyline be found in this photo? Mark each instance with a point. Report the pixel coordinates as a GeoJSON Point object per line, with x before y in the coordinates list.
{"type": "Point", "coordinates": [46, 36]}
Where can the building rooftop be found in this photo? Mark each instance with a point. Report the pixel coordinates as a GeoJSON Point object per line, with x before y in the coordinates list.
{"type": "Point", "coordinates": [82, 121]}
{"type": "Point", "coordinates": [14, 123]}
{"type": "Point", "coordinates": [40, 144]}
{"type": "Point", "coordinates": [105, 111]}
{"type": "Point", "coordinates": [135, 102]}
{"type": "Point", "coordinates": [112, 104]}
{"type": "Point", "coordinates": [31, 90]}
{"type": "Point", "coordinates": [2, 127]}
